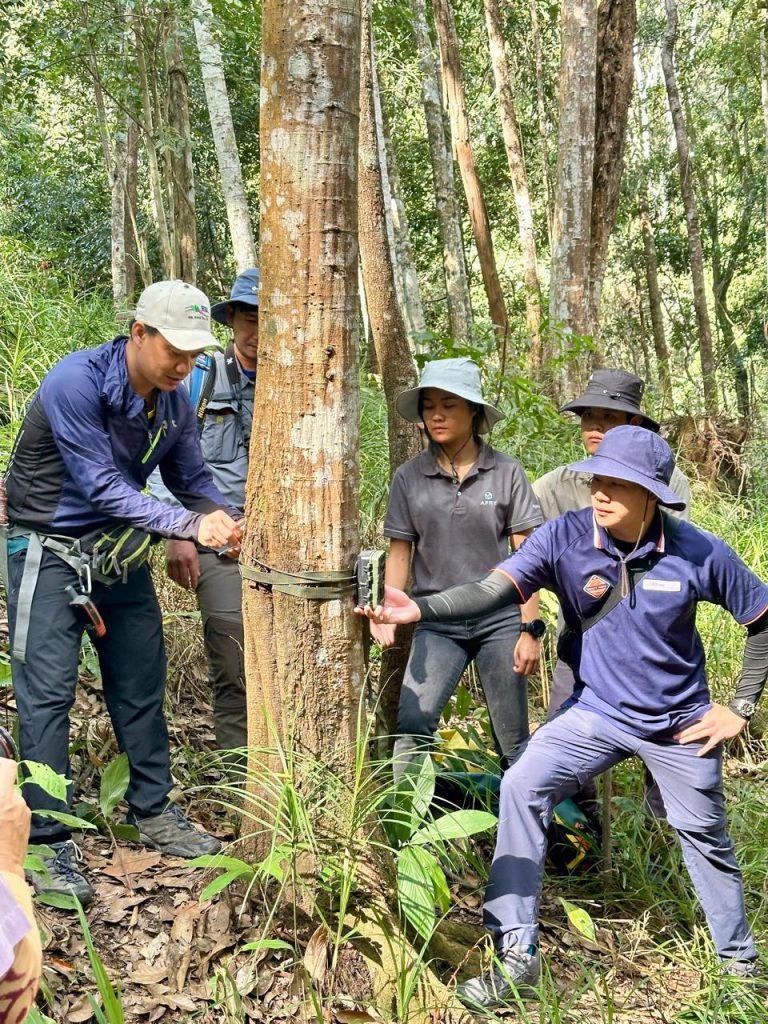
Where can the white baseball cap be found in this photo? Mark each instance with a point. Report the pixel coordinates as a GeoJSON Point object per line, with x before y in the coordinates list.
{"type": "Point", "coordinates": [180, 312]}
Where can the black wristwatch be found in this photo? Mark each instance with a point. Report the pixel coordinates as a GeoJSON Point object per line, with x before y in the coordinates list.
{"type": "Point", "coordinates": [536, 627]}
{"type": "Point", "coordinates": [743, 708]}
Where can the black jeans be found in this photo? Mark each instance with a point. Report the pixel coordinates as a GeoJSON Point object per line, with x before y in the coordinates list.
{"type": "Point", "coordinates": [440, 653]}
{"type": "Point", "coordinates": [132, 661]}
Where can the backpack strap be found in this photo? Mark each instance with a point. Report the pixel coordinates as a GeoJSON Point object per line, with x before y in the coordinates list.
{"type": "Point", "coordinates": [669, 524]}
{"type": "Point", "coordinates": [201, 385]}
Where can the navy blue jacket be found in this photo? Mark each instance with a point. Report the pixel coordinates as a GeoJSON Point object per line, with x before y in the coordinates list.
{"type": "Point", "coordinates": [86, 448]}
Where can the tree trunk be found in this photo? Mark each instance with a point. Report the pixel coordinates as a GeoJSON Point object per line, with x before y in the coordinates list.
{"type": "Point", "coordinates": [135, 256]}
{"type": "Point", "coordinates": [390, 339]}
{"type": "Point", "coordinates": [217, 98]}
{"type": "Point", "coordinates": [654, 303]}
{"type": "Point", "coordinates": [303, 656]}
{"type": "Point", "coordinates": [453, 80]}
{"type": "Point", "coordinates": [182, 169]}
{"type": "Point", "coordinates": [569, 301]}
{"type": "Point", "coordinates": [511, 131]}
{"type": "Point", "coordinates": [764, 105]}
{"type": "Point", "coordinates": [708, 370]}
{"type": "Point", "coordinates": [113, 146]}
{"type": "Point", "coordinates": [405, 270]}
{"type": "Point", "coordinates": [616, 26]}
{"type": "Point", "coordinates": [541, 111]}
{"type": "Point", "coordinates": [457, 288]}
{"type": "Point", "coordinates": [148, 126]}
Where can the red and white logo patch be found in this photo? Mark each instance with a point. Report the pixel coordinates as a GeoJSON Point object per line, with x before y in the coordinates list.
{"type": "Point", "coordinates": [596, 586]}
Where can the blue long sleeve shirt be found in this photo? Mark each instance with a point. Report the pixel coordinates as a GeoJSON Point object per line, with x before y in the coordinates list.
{"type": "Point", "coordinates": [87, 447]}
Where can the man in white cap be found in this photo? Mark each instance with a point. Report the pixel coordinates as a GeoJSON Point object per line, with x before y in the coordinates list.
{"type": "Point", "coordinates": [79, 530]}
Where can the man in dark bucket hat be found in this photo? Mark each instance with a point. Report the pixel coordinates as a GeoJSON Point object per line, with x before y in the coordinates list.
{"type": "Point", "coordinates": [629, 578]}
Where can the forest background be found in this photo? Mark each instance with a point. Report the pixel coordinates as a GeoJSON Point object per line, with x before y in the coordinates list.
{"type": "Point", "coordinates": [545, 189]}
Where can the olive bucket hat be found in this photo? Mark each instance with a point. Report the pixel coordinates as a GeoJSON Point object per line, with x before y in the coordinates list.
{"type": "Point", "coordinates": [459, 377]}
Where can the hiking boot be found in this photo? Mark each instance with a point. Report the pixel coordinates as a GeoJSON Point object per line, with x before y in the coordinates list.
{"type": "Point", "coordinates": [741, 968]}
{"type": "Point", "coordinates": [64, 874]}
{"type": "Point", "coordinates": [515, 973]}
{"type": "Point", "coordinates": [171, 832]}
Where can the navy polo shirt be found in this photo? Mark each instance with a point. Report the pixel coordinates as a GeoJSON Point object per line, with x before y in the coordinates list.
{"type": "Point", "coordinates": [459, 531]}
{"type": "Point", "coordinates": [643, 664]}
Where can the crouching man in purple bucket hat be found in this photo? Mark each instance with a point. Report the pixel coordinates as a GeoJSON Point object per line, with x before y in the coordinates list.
{"type": "Point", "coordinates": [629, 578]}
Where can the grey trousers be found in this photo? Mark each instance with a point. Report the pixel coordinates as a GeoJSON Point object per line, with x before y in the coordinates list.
{"type": "Point", "coordinates": [219, 597]}
{"type": "Point", "coordinates": [561, 756]}
{"type": "Point", "coordinates": [440, 654]}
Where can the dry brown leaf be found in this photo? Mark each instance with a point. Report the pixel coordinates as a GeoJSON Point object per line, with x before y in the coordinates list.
{"type": "Point", "coordinates": [316, 955]}
{"type": "Point", "coordinates": [129, 862]}
{"type": "Point", "coordinates": [170, 881]}
{"type": "Point", "coordinates": [218, 921]}
{"type": "Point", "coordinates": [146, 974]}
{"type": "Point", "coordinates": [356, 1017]}
{"type": "Point", "coordinates": [80, 1011]}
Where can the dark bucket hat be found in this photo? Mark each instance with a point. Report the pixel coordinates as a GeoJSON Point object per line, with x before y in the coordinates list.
{"type": "Point", "coordinates": [245, 290]}
{"type": "Point", "coordinates": [612, 389]}
{"type": "Point", "coordinates": [459, 377]}
{"type": "Point", "coordinates": [637, 455]}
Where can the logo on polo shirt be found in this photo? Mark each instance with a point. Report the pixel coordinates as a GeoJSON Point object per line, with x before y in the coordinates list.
{"type": "Point", "coordinates": [596, 586]}
{"type": "Point", "coordinates": [488, 498]}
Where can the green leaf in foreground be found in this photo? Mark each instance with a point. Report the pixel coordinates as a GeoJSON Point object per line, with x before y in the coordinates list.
{"type": "Point", "coordinates": [580, 920]}
{"type": "Point", "coordinates": [454, 825]}
{"type": "Point", "coordinates": [46, 778]}
{"type": "Point", "coordinates": [259, 944]}
{"type": "Point", "coordinates": [415, 889]}
{"type": "Point", "coordinates": [114, 783]}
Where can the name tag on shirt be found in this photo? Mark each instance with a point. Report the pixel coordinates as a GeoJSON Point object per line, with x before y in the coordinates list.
{"type": "Point", "coordinates": [666, 586]}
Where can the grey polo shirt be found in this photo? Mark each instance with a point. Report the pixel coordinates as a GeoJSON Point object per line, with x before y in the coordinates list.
{"type": "Point", "coordinates": [459, 531]}
{"type": "Point", "coordinates": [225, 436]}
{"type": "Point", "coordinates": [563, 491]}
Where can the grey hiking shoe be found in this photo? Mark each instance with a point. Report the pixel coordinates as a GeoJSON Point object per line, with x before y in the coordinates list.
{"type": "Point", "coordinates": [65, 876]}
{"type": "Point", "coordinates": [516, 973]}
{"type": "Point", "coordinates": [173, 833]}
{"type": "Point", "coordinates": [741, 969]}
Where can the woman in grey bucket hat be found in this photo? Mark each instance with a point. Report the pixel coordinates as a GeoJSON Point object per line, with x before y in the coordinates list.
{"type": "Point", "coordinates": [451, 509]}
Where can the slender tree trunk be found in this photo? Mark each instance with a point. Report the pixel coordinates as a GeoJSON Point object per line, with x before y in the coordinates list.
{"type": "Point", "coordinates": [407, 279]}
{"type": "Point", "coordinates": [706, 351]}
{"type": "Point", "coordinates": [650, 262]}
{"type": "Point", "coordinates": [390, 338]}
{"type": "Point", "coordinates": [616, 26]}
{"type": "Point", "coordinates": [135, 256]}
{"type": "Point", "coordinates": [457, 288]}
{"type": "Point", "coordinates": [462, 147]}
{"type": "Point", "coordinates": [511, 131]}
{"type": "Point", "coordinates": [764, 105]}
{"type": "Point", "coordinates": [541, 111]}
{"type": "Point", "coordinates": [153, 166]}
{"type": "Point", "coordinates": [217, 98]}
{"type": "Point", "coordinates": [113, 145]}
{"type": "Point", "coordinates": [569, 302]}
{"type": "Point", "coordinates": [182, 169]}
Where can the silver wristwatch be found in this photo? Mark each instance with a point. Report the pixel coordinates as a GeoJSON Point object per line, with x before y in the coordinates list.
{"type": "Point", "coordinates": [743, 708]}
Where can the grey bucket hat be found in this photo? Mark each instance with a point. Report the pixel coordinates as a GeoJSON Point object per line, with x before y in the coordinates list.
{"type": "Point", "coordinates": [459, 377]}
{"type": "Point", "coordinates": [638, 455]}
{"type": "Point", "coordinates": [244, 290]}
{"type": "Point", "coordinates": [612, 389]}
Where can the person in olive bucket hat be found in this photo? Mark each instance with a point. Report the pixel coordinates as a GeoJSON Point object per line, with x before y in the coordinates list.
{"type": "Point", "coordinates": [453, 511]}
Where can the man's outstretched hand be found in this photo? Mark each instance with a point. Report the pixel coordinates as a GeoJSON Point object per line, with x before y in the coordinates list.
{"type": "Point", "coordinates": [397, 610]}
{"type": "Point", "coordinates": [219, 530]}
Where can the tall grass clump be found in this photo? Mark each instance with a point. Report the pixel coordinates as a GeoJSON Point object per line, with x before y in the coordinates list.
{"type": "Point", "coordinates": [43, 316]}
